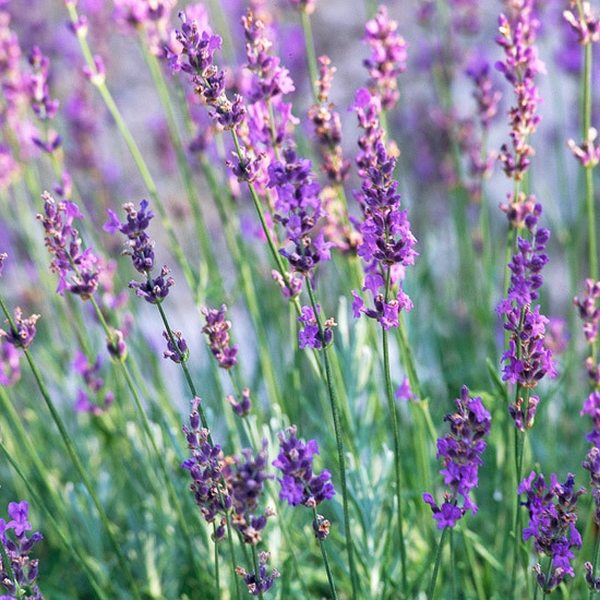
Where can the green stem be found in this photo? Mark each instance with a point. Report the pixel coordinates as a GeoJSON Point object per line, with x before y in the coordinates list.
{"type": "Point", "coordinates": [74, 456]}
{"type": "Point", "coordinates": [325, 560]}
{"type": "Point", "coordinates": [256, 570]}
{"type": "Point", "coordinates": [436, 564]}
{"type": "Point", "coordinates": [594, 558]}
{"type": "Point", "coordinates": [339, 438]}
{"type": "Point", "coordinates": [311, 57]}
{"type": "Point", "coordinates": [396, 434]}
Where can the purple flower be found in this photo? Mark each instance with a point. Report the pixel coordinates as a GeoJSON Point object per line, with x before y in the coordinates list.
{"type": "Point", "coordinates": [205, 465]}
{"type": "Point", "coordinates": [94, 384]}
{"type": "Point", "coordinates": [584, 22]}
{"type": "Point", "coordinates": [260, 582]}
{"type": "Point", "coordinates": [587, 153]}
{"type": "Point", "coordinates": [589, 310]}
{"type": "Point", "coordinates": [23, 333]}
{"type": "Point", "coordinates": [154, 289]}
{"type": "Point", "coordinates": [217, 329]}
{"type": "Point", "coordinates": [78, 270]}
{"type": "Point", "coordinates": [299, 484]}
{"type": "Point", "coordinates": [10, 369]}
{"type": "Point", "coordinates": [527, 359]}
{"type": "Point", "coordinates": [178, 352]}
{"type": "Point", "coordinates": [140, 246]}
{"type": "Point", "coordinates": [310, 336]}
{"type": "Point", "coordinates": [243, 407]}
{"type": "Point", "coordinates": [298, 208]}
{"type": "Point", "coordinates": [328, 127]}
{"type": "Point", "coordinates": [520, 66]}
{"type": "Point", "coordinates": [404, 391]}
{"type": "Point", "coordinates": [591, 407]}
{"type": "Point", "coordinates": [195, 57]}
{"type": "Point", "coordinates": [592, 465]}
{"type": "Point", "coordinates": [552, 519]}
{"type": "Point", "coordinates": [460, 451]}
{"type": "Point", "coordinates": [16, 547]}
{"type": "Point", "coordinates": [269, 79]}
{"type": "Point", "coordinates": [387, 241]}
{"type": "Point", "coordinates": [388, 57]}
{"type": "Point", "coordinates": [3, 257]}
{"type": "Point", "coordinates": [246, 476]}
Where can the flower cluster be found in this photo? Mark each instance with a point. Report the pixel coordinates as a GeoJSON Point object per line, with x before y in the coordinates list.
{"type": "Point", "coordinates": [246, 476]}
{"type": "Point", "coordinates": [328, 127]}
{"type": "Point", "coordinates": [585, 23]}
{"type": "Point", "coordinates": [552, 519]}
{"type": "Point", "coordinates": [94, 384]}
{"type": "Point", "coordinates": [18, 579]}
{"type": "Point", "coordinates": [520, 66]}
{"type": "Point", "coordinates": [299, 484]}
{"type": "Point", "coordinates": [298, 209]}
{"type": "Point", "coordinates": [587, 153]}
{"type": "Point", "coordinates": [24, 330]}
{"type": "Point", "coordinates": [310, 335]}
{"type": "Point", "coordinates": [195, 57]}
{"type": "Point", "coordinates": [527, 359]}
{"type": "Point", "coordinates": [205, 466]}
{"type": "Point", "coordinates": [589, 310]}
{"type": "Point", "coordinates": [260, 582]}
{"type": "Point", "coordinates": [217, 329]}
{"type": "Point", "coordinates": [388, 57]}
{"type": "Point", "coordinates": [43, 106]}
{"type": "Point", "coordinates": [177, 348]}
{"type": "Point", "coordinates": [460, 451]}
{"type": "Point", "coordinates": [78, 270]}
{"type": "Point", "coordinates": [269, 78]}
{"type": "Point", "coordinates": [387, 244]}
{"type": "Point", "coordinates": [243, 407]}
{"type": "Point", "coordinates": [141, 249]}
{"type": "Point", "coordinates": [10, 368]}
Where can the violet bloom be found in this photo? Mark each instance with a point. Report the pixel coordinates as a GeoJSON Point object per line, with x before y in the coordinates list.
{"type": "Point", "coordinates": [298, 208]}
{"type": "Point", "coordinates": [205, 465]}
{"type": "Point", "coordinates": [217, 329]}
{"type": "Point", "coordinates": [587, 153]}
{"type": "Point", "coordinates": [43, 106]}
{"type": "Point", "coordinates": [242, 407]}
{"type": "Point", "coordinates": [10, 368]}
{"type": "Point", "coordinates": [307, 6]}
{"type": "Point", "coordinates": [23, 333]}
{"type": "Point", "coordinates": [258, 583]}
{"type": "Point", "coordinates": [141, 249]}
{"type": "Point", "coordinates": [387, 244]}
{"type": "Point", "coordinates": [299, 484]}
{"type": "Point", "coordinates": [246, 476]}
{"type": "Point", "coordinates": [94, 385]}
{"type": "Point", "coordinates": [195, 57]}
{"type": "Point", "coordinates": [388, 57]}
{"type": "Point", "coordinates": [588, 307]}
{"type": "Point", "coordinates": [552, 519]}
{"type": "Point", "coordinates": [527, 359]}
{"type": "Point", "coordinates": [78, 270]}
{"type": "Point", "coordinates": [328, 127]}
{"type": "Point", "coordinates": [585, 24]}
{"type": "Point", "coordinates": [520, 66]}
{"type": "Point", "coordinates": [460, 451]}
{"type": "Point", "coordinates": [178, 352]}
{"type": "Point", "coordinates": [20, 580]}
{"type": "Point", "coordinates": [310, 336]}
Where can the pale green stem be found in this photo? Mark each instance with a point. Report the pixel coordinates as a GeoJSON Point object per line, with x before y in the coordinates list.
{"type": "Point", "coordinates": [339, 438]}
{"type": "Point", "coordinates": [396, 435]}
{"type": "Point", "coordinates": [436, 564]}
{"type": "Point", "coordinates": [311, 57]}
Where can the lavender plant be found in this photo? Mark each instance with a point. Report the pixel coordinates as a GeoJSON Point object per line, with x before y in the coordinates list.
{"type": "Point", "coordinates": [325, 188]}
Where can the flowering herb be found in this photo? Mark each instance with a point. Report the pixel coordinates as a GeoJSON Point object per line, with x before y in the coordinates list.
{"type": "Point", "coordinates": [460, 452]}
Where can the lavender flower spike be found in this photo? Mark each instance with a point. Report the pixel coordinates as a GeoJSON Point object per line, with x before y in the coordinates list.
{"type": "Point", "coordinates": [260, 582]}
{"type": "Point", "coordinates": [299, 484]}
{"type": "Point", "coordinates": [552, 519]}
{"type": "Point", "coordinates": [20, 577]}
{"type": "Point", "coordinates": [217, 330]}
{"type": "Point", "coordinates": [23, 333]}
{"type": "Point", "coordinates": [460, 451]}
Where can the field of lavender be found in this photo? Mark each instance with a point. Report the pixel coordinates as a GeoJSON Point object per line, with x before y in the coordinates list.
{"type": "Point", "coordinates": [377, 375]}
